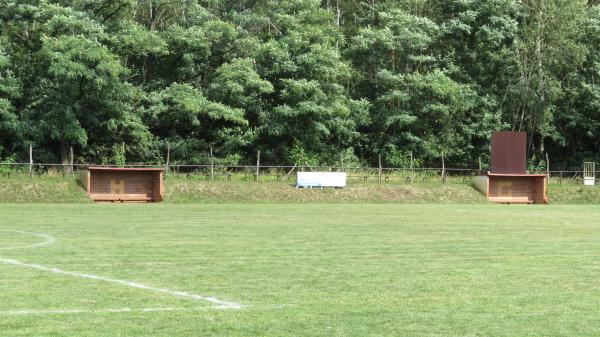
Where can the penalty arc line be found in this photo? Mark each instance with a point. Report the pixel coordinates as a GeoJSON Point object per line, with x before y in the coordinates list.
{"type": "Point", "coordinates": [48, 240]}
{"type": "Point", "coordinates": [210, 299]}
{"type": "Point", "coordinates": [218, 302]}
{"type": "Point", "coordinates": [91, 311]}
{"type": "Point", "coordinates": [73, 311]}
{"type": "Point", "coordinates": [38, 312]}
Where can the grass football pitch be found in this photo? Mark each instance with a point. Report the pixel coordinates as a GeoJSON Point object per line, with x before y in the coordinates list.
{"type": "Point", "coordinates": [299, 270]}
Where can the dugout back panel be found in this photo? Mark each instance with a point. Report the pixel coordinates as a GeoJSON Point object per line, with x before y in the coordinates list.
{"type": "Point", "coordinates": [509, 152]}
{"type": "Point", "coordinates": [123, 184]}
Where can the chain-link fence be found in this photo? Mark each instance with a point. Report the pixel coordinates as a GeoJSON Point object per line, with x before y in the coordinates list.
{"type": "Point", "coordinates": [283, 173]}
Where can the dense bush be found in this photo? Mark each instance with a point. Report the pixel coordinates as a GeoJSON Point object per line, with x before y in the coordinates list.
{"type": "Point", "coordinates": [299, 80]}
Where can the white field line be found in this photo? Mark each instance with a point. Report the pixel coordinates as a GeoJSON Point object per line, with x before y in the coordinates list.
{"type": "Point", "coordinates": [220, 303]}
{"type": "Point", "coordinates": [27, 312]}
{"type": "Point", "coordinates": [40, 312]}
{"type": "Point", "coordinates": [48, 240]}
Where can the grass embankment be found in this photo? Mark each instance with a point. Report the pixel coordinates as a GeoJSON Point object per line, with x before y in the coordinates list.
{"type": "Point", "coordinates": [574, 194]}
{"type": "Point", "coordinates": [22, 189]}
{"type": "Point", "coordinates": [181, 191]}
{"type": "Point", "coordinates": [302, 270]}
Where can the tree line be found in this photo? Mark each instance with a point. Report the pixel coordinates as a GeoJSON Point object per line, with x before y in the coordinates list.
{"type": "Point", "coordinates": [303, 81]}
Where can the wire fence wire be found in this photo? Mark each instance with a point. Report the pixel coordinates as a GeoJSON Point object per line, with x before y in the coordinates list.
{"type": "Point", "coordinates": [273, 173]}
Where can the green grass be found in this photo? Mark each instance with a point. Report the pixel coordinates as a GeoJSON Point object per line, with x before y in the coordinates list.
{"type": "Point", "coordinates": [336, 270]}
{"type": "Point", "coordinates": [22, 189]}
{"type": "Point", "coordinates": [574, 194]}
{"type": "Point", "coordinates": [183, 191]}
{"type": "Point", "coordinates": [44, 189]}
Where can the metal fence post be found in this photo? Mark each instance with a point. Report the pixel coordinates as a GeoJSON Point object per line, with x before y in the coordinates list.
{"type": "Point", "coordinates": [30, 161]}
{"type": "Point", "coordinates": [257, 164]}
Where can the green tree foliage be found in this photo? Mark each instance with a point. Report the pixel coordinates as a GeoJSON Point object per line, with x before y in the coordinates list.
{"type": "Point", "coordinates": [549, 49]}
{"type": "Point", "coordinates": [577, 120]}
{"type": "Point", "coordinates": [310, 106]}
{"type": "Point", "coordinates": [418, 107]}
{"type": "Point", "coordinates": [237, 84]}
{"type": "Point", "coordinates": [9, 90]}
{"type": "Point", "coordinates": [181, 114]}
{"type": "Point", "coordinates": [81, 90]}
{"type": "Point", "coordinates": [304, 81]}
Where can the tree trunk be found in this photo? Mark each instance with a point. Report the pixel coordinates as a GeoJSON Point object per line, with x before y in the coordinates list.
{"type": "Point", "coordinates": [338, 13]}
{"type": "Point", "coordinates": [64, 157]}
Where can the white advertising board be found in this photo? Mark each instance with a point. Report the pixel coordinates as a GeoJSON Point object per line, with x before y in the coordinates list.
{"type": "Point", "coordinates": [321, 179]}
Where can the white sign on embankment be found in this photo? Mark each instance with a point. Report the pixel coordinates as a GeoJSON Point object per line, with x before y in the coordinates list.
{"type": "Point", "coordinates": [321, 179]}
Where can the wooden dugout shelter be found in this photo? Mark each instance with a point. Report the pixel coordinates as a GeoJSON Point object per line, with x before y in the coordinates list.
{"type": "Point", "coordinates": [123, 184]}
{"type": "Point", "coordinates": [508, 181]}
